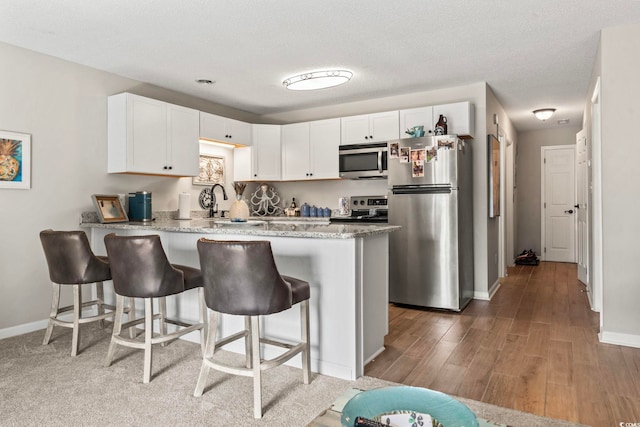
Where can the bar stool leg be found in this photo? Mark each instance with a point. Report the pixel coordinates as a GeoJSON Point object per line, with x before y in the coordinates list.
{"type": "Point", "coordinates": [148, 334]}
{"type": "Point", "coordinates": [117, 327]}
{"type": "Point", "coordinates": [306, 353]}
{"type": "Point", "coordinates": [248, 349]}
{"type": "Point", "coordinates": [162, 307]}
{"type": "Point", "coordinates": [208, 353]}
{"type": "Point", "coordinates": [55, 301]}
{"type": "Point", "coordinates": [255, 358]}
{"type": "Point", "coordinates": [131, 316]}
{"type": "Point", "coordinates": [100, 301]}
{"type": "Point", "coordinates": [202, 318]}
{"type": "Point", "coordinates": [77, 313]}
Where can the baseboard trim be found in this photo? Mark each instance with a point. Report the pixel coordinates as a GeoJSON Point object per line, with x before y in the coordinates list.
{"type": "Point", "coordinates": [25, 328]}
{"type": "Point", "coordinates": [617, 338]}
{"type": "Point", "coordinates": [486, 296]}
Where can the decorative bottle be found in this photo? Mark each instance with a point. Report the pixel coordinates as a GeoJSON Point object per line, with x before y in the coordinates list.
{"type": "Point", "coordinates": [441, 126]}
{"type": "Point", "coordinates": [239, 211]}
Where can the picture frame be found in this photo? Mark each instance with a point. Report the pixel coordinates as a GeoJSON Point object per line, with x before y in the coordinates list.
{"type": "Point", "coordinates": [15, 163]}
{"type": "Point", "coordinates": [494, 176]}
{"type": "Point", "coordinates": [211, 170]}
{"type": "Point", "coordinates": [109, 208]}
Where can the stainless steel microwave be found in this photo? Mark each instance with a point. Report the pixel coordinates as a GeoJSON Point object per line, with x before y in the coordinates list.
{"type": "Point", "coordinates": [363, 161]}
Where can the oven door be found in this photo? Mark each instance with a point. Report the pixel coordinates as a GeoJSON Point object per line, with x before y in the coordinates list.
{"type": "Point", "coordinates": [363, 161]}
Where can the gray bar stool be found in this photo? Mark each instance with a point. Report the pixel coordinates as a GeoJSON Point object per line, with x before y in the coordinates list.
{"type": "Point", "coordinates": [140, 269]}
{"type": "Point", "coordinates": [72, 262]}
{"type": "Point", "coordinates": [241, 278]}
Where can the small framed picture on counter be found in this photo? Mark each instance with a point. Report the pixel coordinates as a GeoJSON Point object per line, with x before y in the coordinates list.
{"type": "Point", "coordinates": [109, 208]}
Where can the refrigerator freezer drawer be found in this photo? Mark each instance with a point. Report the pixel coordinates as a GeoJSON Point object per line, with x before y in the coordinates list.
{"type": "Point", "coordinates": [424, 264]}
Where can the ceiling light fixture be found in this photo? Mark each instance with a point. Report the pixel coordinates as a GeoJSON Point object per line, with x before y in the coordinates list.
{"type": "Point", "coordinates": [317, 80]}
{"type": "Point", "coordinates": [544, 113]}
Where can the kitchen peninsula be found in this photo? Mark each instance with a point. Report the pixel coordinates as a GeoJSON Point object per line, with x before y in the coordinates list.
{"type": "Point", "coordinates": [345, 264]}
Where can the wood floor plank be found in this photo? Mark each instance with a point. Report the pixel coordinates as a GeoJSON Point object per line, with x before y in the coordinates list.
{"type": "Point", "coordinates": [595, 414]}
{"type": "Point", "coordinates": [585, 343]}
{"type": "Point", "coordinates": [475, 382]}
{"type": "Point", "coordinates": [560, 402]}
{"type": "Point", "coordinates": [449, 378]}
{"type": "Point", "coordinates": [530, 390]}
{"type": "Point", "coordinates": [466, 350]}
{"type": "Point", "coordinates": [500, 390]}
{"type": "Point", "coordinates": [560, 363]}
{"type": "Point", "coordinates": [617, 377]}
{"type": "Point", "coordinates": [510, 360]}
{"type": "Point", "coordinates": [400, 369]}
{"type": "Point", "coordinates": [624, 409]}
{"type": "Point", "coordinates": [458, 330]}
{"type": "Point", "coordinates": [538, 340]}
{"type": "Point", "coordinates": [426, 371]}
{"type": "Point", "coordinates": [498, 333]}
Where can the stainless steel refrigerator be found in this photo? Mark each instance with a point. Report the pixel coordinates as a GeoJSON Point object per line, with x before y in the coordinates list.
{"type": "Point", "coordinates": [431, 256]}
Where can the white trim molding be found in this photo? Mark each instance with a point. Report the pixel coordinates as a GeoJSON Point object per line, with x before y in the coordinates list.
{"type": "Point", "coordinates": [618, 338]}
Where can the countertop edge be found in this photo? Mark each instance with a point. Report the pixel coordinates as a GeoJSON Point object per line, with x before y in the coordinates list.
{"type": "Point", "coordinates": [348, 231]}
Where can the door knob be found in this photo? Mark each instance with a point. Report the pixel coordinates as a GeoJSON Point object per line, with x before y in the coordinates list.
{"type": "Point", "coordinates": [570, 211]}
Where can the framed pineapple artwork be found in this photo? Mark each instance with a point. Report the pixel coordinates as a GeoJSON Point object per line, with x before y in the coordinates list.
{"type": "Point", "coordinates": [15, 160]}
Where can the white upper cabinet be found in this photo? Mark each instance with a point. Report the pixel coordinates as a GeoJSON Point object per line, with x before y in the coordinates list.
{"type": "Point", "coordinates": [324, 141]}
{"type": "Point", "coordinates": [261, 161]}
{"type": "Point", "coordinates": [460, 118]}
{"type": "Point", "coordinates": [222, 129]}
{"type": "Point", "coordinates": [416, 117]}
{"type": "Point", "coordinates": [310, 150]}
{"type": "Point", "coordinates": [295, 152]}
{"type": "Point", "coordinates": [148, 136]}
{"type": "Point", "coordinates": [367, 128]}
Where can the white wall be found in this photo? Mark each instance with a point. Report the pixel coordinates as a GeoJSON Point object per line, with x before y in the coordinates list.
{"type": "Point", "coordinates": [620, 183]}
{"type": "Point", "coordinates": [529, 181]}
{"type": "Point", "coordinates": [493, 233]}
{"type": "Point", "coordinates": [64, 108]}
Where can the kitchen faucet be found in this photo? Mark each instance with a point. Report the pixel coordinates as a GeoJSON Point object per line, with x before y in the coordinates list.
{"type": "Point", "coordinates": [213, 208]}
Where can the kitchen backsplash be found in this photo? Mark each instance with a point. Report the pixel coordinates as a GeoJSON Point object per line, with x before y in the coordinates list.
{"type": "Point", "coordinates": [325, 193]}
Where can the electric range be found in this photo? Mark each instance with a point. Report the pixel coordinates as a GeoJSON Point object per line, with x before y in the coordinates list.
{"type": "Point", "coordinates": [366, 209]}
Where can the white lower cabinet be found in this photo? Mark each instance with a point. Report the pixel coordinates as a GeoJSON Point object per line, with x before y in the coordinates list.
{"type": "Point", "coordinates": [261, 161]}
{"type": "Point", "coordinates": [310, 150]}
{"type": "Point", "coordinates": [148, 136]}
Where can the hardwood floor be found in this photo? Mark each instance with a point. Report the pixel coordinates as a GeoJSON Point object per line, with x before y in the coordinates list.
{"type": "Point", "coordinates": [533, 347]}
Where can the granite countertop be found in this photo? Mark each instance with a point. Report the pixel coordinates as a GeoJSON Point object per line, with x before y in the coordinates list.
{"type": "Point", "coordinates": [261, 226]}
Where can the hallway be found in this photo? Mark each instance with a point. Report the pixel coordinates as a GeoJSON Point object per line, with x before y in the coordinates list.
{"type": "Point", "coordinates": [533, 347]}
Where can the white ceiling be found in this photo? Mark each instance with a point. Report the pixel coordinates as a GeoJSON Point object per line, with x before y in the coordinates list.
{"type": "Point", "coordinates": [533, 54]}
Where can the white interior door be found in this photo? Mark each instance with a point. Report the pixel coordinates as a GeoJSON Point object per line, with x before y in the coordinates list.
{"type": "Point", "coordinates": [558, 200]}
{"type": "Point", "coordinates": [582, 212]}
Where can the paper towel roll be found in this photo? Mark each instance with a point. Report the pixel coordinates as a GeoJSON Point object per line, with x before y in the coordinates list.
{"type": "Point", "coordinates": [184, 206]}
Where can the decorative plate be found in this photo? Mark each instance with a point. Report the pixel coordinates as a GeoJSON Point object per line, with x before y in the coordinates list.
{"type": "Point", "coordinates": [372, 403]}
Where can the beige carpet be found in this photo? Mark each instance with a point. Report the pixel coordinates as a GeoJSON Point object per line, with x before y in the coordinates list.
{"type": "Point", "coordinates": [45, 386]}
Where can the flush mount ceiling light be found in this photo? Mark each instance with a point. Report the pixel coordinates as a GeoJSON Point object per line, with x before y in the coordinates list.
{"type": "Point", "coordinates": [317, 80]}
{"type": "Point", "coordinates": [544, 113]}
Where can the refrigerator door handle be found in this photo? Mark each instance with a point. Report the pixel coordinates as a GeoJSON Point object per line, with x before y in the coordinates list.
{"type": "Point", "coordinates": [417, 189]}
